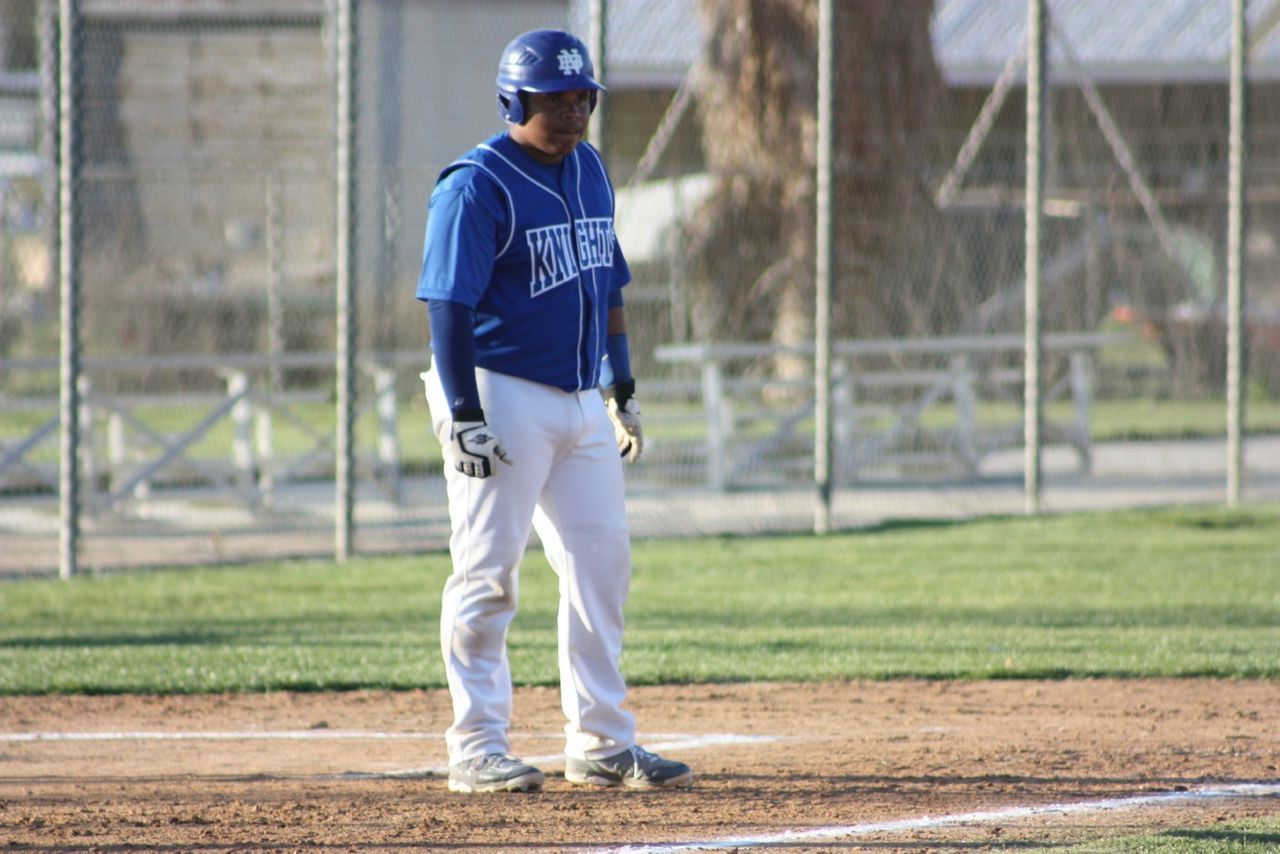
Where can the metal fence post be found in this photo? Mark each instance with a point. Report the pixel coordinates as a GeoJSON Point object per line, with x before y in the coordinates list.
{"type": "Point", "coordinates": [1037, 101]}
{"type": "Point", "coordinates": [1235, 254]}
{"type": "Point", "coordinates": [597, 48]}
{"type": "Point", "coordinates": [823, 259]}
{"type": "Point", "coordinates": [50, 136]}
{"type": "Point", "coordinates": [344, 470]}
{"type": "Point", "coordinates": [69, 287]}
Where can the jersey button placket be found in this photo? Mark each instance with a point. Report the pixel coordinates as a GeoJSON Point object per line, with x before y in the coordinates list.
{"type": "Point", "coordinates": [587, 315]}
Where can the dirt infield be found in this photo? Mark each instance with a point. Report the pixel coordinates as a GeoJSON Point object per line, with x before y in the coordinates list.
{"type": "Point", "coordinates": [850, 763]}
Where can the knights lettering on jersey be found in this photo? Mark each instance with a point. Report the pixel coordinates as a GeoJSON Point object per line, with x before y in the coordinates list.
{"type": "Point", "coordinates": [595, 242]}
{"type": "Point", "coordinates": [552, 260]}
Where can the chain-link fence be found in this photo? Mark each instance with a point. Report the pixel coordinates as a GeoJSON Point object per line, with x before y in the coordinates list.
{"type": "Point", "coordinates": [208, 239]}
{"type": "Point", "coordinates": [929, 298]}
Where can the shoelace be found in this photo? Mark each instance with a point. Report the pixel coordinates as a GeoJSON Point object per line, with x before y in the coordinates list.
{"type": "Point", "coordinates": [639, 757]}
{"type": "Point", "coordinates": [489, 760]}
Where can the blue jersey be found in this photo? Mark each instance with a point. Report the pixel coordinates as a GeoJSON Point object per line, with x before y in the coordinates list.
{"type": "Point", "coordinates": [531, 248]}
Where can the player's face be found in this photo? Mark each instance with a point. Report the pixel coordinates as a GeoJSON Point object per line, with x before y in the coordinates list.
{"type": "Point", "coordinates": [556, 123]}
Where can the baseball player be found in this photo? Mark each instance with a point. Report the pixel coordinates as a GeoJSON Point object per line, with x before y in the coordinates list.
{"type": "Point", "coordinates": [523, 277]}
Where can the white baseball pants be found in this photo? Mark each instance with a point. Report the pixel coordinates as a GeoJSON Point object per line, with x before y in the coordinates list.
{"type": "Point", "coordinates": [566, 479]}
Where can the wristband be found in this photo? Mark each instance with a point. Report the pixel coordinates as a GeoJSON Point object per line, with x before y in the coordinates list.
{"type": "Point", "coordinates": [621, 392]}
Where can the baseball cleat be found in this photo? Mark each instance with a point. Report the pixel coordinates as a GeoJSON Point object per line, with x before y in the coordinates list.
{"type": "Point", "coordinates": [494, 772]}
{"type": "Point", "coordinates": [635, 768]}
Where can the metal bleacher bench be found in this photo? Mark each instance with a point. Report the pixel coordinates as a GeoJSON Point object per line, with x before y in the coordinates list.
{"type": "Point", "coordinates": [882, 390]}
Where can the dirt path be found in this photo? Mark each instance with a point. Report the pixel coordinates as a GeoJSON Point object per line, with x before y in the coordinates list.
{"type": "Point", "coordinates": [356, 771]}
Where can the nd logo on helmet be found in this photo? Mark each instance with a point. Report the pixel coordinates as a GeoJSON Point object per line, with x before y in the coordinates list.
{"type": "Point", "coordinates": [570, 61]}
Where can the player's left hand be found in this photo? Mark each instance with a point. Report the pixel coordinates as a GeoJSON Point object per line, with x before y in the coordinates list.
{"type": "Point", "coordinates": [624, 412]}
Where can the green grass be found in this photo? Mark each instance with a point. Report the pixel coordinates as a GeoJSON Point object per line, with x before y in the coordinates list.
{"type": "Point", "coordinates": [1184, 592]}
{"type": "Point", "coordinates": [1240, 837]}
{"type": "Point", "coordinates": [1146, 418]}
{"type": "Point", "coordinates": [1135, 419]}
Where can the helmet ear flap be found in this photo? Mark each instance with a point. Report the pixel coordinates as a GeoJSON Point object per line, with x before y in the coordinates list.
{"type": "Point", "coordinates": [512, 107]}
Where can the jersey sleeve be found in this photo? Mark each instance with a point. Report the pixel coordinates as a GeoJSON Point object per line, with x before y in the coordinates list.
{"type": "Point", "coordinates": [465, 218]}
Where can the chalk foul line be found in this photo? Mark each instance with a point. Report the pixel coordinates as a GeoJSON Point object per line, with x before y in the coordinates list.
{"type": "Point", "coordinates": [1242, 790]}
{"type": "Point", "coordinates": [653, 741]}
{"type": "Point", "coordinates": [318, 734]}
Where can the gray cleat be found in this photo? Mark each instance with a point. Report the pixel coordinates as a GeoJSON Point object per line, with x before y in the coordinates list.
{"type": "Point", "coordinates": [635, 768]}
{"type": "Point", "coordinates": [494, 772]}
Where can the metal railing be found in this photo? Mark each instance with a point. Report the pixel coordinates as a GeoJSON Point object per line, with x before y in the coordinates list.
{"type": "Point", "coordinates": [141, 457]}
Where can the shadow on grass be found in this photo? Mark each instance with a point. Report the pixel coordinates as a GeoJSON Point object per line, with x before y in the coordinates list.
{"type": "Point", "coordinates": [1237, 520]}
{"type": "Point", "coordinates": [1223, 835]}
{"type": "Point", "coordinates": [113, 640]}
{"type": "Point", "coordinates": [880, 527]}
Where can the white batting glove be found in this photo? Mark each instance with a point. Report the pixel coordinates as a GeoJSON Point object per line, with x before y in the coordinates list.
{"type": "Point", "coordinates": [626, 426]}
{"type": "Point", "coordinates": [475, 447]}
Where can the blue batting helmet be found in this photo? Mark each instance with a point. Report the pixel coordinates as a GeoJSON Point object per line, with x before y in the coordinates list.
{"type": "Point", "coordinates": [542, 61]}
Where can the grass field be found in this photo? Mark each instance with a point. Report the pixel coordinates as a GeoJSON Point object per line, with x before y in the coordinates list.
{"type": "Point", "coordinates": [1156, 593]}
{"type": "Point", "coordinates": [1183, 592]}
{"type": "Point", "coordinates": [1232, 838]}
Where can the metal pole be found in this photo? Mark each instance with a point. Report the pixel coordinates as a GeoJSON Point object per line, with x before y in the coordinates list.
{"type": "Point", "coordinates": [599, 58]}
{"type": "Point", "coordinates": [1037, 100]}
{"type": "Point", "coordinates": [69, 288]}
{"type": "Point", "coordinates": [390, 132]}
{"type": "Point", "coordinates": [822, 443]}
{"type": "Point", "coordinates": [1235, 253]}
{"type": "Point", "coordinates": [50, 138]}
{"type": "Point", "coordinates": [344, 469]}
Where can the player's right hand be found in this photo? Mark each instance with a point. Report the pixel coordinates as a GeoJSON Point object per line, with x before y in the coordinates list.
{"type": "Point", "coordinates": [475, 447]}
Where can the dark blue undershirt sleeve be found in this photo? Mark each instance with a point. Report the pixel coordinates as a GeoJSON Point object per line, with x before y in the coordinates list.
{"type": "Point", "coordinates": [616, 366]}
{"type": "Point", "coordinates": [453, 346]}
